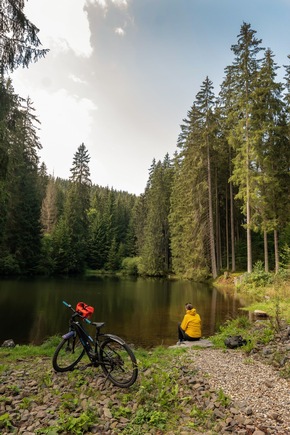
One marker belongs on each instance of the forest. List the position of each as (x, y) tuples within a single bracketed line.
[(221, 203)]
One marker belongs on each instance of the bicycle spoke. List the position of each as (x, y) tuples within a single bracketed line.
[(68, 353), (118, 363)]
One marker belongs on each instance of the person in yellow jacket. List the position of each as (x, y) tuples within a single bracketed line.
[(190, 327)]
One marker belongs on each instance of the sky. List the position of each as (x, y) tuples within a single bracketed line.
[(121, 75)]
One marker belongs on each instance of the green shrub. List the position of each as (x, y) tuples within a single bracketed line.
[(258, 278), (76, 425), (130, 266), (9, 265), (285, 258), (5, 421)]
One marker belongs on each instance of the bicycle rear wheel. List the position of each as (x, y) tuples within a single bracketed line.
[(67, 354), (118, 362)]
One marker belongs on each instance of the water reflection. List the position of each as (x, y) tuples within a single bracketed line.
[(142, 311)]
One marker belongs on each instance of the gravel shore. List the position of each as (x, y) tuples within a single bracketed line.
[(252, 384), (238, 393)]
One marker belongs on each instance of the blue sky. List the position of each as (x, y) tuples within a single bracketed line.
[(122, 74)]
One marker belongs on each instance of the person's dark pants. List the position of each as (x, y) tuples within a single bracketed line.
[(183, 336)]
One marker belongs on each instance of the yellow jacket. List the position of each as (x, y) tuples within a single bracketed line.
[(191, 323)]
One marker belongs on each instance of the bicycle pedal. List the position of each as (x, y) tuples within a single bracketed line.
[(93, 364)]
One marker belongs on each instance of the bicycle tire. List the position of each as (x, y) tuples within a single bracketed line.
[(67, 356), (118, 362)]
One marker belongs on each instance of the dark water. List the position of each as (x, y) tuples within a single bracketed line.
[(144, 312)]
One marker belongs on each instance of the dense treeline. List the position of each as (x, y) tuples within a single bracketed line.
[(222, 201), (225, 198)]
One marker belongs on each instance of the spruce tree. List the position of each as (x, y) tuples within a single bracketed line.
[(72, 230), (193, 217), (243, 73), (189, 206), (19, 43), (155, 252), (205, 101), (100, 228), (49, 212), (21, 239), (225, 101), (270, 136), (139, 213)]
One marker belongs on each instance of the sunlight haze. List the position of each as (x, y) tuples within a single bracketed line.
[(122, 74)]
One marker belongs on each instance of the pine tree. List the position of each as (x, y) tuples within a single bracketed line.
[(98, 246), (19, 43), (139, 213), (49, 212), (225, 101), (188, 214), (155, 252), (192, 218), (8, 106), (243, 74), (205, 101), (72, 230), (270, 135), (21, 239)]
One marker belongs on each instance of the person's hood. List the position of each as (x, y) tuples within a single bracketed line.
[(192, 312)]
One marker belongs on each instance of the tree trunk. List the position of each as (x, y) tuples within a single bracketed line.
[(232, 223), (276, 247), (266, 257), (211, 224), (218, 227), (249, 239), (227, 230)]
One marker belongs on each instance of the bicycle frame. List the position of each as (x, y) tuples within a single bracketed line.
[(90, 345)]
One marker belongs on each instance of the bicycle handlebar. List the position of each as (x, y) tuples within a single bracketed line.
[(69, 306)]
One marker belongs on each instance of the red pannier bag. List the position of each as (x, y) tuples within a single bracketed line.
[(84, 309)]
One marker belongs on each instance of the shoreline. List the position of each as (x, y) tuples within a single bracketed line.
[(221, 391)]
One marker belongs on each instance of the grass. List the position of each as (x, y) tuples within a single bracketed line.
[(156, 402), (267, 292), (239, 326), (30, 351)]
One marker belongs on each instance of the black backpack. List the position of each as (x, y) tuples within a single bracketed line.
[(235, 341)]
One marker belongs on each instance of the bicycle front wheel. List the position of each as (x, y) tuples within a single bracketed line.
[(67, 354), (118, 362)]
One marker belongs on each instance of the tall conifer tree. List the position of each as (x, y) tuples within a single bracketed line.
[(243, 74), (270, 135), (155, 253), (72, 230), (192, 217), (19, 43)]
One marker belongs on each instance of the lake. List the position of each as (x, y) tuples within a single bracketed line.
[(144, 312)]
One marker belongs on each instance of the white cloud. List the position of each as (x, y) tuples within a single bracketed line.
[(76, 79), (120, 31), (105, 3), (120, 2), (72, 121), (63, 24)]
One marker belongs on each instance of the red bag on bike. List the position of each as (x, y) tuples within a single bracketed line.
[(84, 309)]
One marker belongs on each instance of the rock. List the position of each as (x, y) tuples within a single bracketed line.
[(8, 343), (107, 413), (198, 343), (261, 314)]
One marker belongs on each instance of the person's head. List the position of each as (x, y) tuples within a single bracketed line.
[(188, 306)]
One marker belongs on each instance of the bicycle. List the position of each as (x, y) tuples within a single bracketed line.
[(108, 351)]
